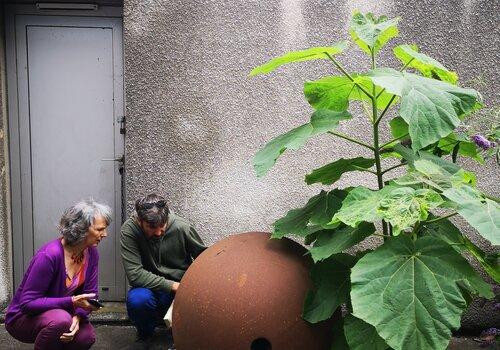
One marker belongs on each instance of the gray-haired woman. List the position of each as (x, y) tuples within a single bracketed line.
[(50, 307)]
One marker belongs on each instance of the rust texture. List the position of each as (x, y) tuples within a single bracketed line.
[(243, 288)]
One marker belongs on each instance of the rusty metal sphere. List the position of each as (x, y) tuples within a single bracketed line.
[(246, 292)]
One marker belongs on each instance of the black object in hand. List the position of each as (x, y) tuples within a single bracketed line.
[(95, 302)]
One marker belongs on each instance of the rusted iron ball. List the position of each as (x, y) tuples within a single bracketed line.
[(246, 292)]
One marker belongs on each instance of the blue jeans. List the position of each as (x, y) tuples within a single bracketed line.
[(145, 308)]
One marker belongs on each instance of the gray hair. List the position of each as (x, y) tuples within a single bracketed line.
[(77, 219)]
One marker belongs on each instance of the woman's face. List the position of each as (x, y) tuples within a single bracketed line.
[(96, 232)]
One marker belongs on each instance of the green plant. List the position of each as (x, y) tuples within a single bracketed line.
[(410, 292)]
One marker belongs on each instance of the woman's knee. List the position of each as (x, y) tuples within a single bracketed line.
[(141, 299), (58, 319), (84, 338)]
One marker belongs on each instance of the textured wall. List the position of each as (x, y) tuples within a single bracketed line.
[(194, 119), (5, 246)]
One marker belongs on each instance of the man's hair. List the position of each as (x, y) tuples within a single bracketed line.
[(152, 209)]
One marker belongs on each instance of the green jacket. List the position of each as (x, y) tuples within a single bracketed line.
[(156, 264)]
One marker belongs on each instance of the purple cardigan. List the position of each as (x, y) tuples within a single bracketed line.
[(44, 283)]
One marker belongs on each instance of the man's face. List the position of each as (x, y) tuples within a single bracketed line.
[(153, 232)]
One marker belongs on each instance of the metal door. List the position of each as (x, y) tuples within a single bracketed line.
[(68, 74)]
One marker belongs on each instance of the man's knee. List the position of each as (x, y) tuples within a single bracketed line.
[(141, 299)]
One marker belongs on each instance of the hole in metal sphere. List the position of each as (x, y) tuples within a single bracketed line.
[(261, 344)]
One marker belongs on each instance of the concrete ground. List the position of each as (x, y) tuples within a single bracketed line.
[(114, 332), (115, 337), (121, 337)]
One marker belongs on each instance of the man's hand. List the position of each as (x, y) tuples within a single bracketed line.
[(175, 286), (81, 301), (75, 326)]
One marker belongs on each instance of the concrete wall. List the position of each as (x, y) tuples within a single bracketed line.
[(5, 236), (195, 120)]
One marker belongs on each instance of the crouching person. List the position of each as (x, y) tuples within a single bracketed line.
[(157, 247), (50, 307)]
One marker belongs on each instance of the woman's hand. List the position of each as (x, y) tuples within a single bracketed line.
[(75, 326), (81, 301)]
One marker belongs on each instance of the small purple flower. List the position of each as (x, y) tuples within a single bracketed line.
[(490, 331), (487, 337), (497, 306), (482, 141)]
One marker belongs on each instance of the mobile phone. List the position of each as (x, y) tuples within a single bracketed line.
[(95, 302)]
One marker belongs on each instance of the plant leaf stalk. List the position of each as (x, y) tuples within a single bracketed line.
[(393, 140), (342, 136), (393, 167), (441, 218), (348, 75)]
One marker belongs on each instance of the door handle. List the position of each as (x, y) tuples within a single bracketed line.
[(120, 159)]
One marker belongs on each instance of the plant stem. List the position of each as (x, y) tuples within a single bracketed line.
[(376, 148), (364, 169), (406, 65), (381, 235), (393, 167), (496, 199), (348, 75), (393, 140), (441, 218), (385, 110), (351, 139), (415, 230)]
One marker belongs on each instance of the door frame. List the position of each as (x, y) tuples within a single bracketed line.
[(21, 215)]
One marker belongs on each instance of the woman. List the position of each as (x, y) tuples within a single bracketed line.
[(50, 307)]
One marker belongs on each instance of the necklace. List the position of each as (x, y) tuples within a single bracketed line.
[(77, 259)]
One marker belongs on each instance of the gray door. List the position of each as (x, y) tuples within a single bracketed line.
[(69, 103)]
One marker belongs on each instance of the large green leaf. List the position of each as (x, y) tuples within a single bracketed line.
[(399, 128), (480, 212), (339, 342), (371, 33), (329, 242), (361, 204), (331, 287), (409, 291), (448, 232), (314, 53), (330, 173), (312, 217), (428, 66), (321, 122), (439, 175), (432, 108), (404, 206), (432, 170), (335, 92), (361, 335)]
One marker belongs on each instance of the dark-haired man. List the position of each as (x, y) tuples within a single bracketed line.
[(157, 247)]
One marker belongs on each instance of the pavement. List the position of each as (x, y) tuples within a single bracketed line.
[(114, 331), (109, 337), (122, 337)]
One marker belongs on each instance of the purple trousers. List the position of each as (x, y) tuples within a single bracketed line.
[(45, 329)]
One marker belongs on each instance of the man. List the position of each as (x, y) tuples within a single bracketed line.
[(157, 247)]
